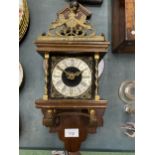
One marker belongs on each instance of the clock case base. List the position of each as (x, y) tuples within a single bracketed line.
[(84, 115)]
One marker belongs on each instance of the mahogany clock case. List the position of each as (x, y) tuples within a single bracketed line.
[(117, 69)]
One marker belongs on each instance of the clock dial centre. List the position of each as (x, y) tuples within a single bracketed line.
[(71, 76)]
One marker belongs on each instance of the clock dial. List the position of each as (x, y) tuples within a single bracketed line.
[(71, 77)]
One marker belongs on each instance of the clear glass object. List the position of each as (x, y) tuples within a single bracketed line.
[(127, 92)]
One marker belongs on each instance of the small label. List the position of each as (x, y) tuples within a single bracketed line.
[(55, 152), (71, 132)]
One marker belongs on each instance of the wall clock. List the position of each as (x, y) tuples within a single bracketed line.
[(72, 50), (123, 26)]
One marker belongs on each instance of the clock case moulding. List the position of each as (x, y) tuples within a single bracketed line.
[(72, 35)]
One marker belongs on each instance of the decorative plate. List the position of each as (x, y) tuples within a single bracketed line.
[(23, 18), (20, 74), (101, 67), (127, 92)]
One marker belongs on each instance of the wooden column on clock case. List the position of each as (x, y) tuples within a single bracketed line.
[(97, 57), (46, 66), (92, 112)]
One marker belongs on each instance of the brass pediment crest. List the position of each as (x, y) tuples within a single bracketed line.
[(71, 24)]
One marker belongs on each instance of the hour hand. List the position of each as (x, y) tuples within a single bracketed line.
[(60, 68), (80, 72), (69, 75)]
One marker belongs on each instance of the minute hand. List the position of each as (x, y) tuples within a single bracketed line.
[(67, 73), (80, 72)]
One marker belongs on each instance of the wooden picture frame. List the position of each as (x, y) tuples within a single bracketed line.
[(123, 26)]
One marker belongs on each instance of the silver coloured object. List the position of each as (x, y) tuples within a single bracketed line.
[(127, 92), (129, 108), (127, 95), (129, 129)]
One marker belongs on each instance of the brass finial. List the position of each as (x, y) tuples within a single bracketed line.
[(74, 5)]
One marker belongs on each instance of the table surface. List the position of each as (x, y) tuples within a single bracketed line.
[(118, 67), (47, 152)]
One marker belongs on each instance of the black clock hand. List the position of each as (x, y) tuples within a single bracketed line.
[(70, 75), (67, 73), (60, 68), (80, 72)]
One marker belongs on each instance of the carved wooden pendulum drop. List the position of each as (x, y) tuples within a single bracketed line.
[(71, 104)]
